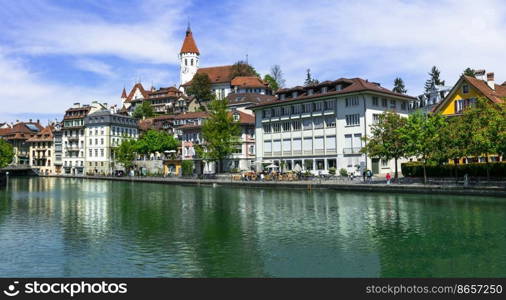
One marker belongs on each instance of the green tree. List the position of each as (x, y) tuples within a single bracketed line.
[(469, 72), (434, 78), (200, 88), (273, 85), (156, 141), (6, 153), (399, 86), (422, 134), (309, 78), (220, 134), (484, 121), (386, 140), (145, 110), (125, 153), (242, 68)]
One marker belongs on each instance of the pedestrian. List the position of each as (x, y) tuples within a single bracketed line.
[(369, 176), (388, 178), (364, 174)]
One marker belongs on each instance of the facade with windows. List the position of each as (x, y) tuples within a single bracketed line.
[(104, 131), (323, 126), (42, 151)]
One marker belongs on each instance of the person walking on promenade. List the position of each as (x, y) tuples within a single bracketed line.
[(369, 176), (388, 178)]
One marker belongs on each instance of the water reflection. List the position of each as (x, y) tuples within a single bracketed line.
[(74, 227)]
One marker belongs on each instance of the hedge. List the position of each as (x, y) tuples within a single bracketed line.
[(415, 169), (187, 166)]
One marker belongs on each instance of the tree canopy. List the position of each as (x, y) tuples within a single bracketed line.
[(469, 72), (200, 87), (434, 78), (220, 134), (273, 85), (125, 153), (399, 86), (145, 110), (309, 78), (278, 76), (6, 153), (386, 140), (242, 68)]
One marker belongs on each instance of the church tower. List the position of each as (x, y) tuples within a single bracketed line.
[(188, 58)]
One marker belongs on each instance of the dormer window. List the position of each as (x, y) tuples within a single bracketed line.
[(465, 88), (281, 96), (294, 94), (310, 92), (324, 90), (339, 87)]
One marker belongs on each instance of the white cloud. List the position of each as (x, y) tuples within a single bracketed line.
[(94, 66)]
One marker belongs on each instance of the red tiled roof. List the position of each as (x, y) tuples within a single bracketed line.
[(46, 135), (221, 74), (189, 45), (495, 95), (20, 131), (352, 85), (248, 81), (5, 131), (244, 118), (139, 86)]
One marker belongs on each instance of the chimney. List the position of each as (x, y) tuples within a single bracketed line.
[(490, 80), (30, 121), (76, 105), (38, 121)]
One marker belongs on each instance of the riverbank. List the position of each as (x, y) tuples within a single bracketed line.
[(493, 191)]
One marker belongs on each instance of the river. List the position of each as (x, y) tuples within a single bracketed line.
[(64, 227)]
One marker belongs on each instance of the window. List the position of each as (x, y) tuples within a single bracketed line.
[(276, 127), (286, 126), (185, 62), (101, 141), (267, 146), (306, 108), (96, 152), (317, 106), (297, 144), (287, 145), (296, 109), (191, 62), (236, 117), (91, 153), (307, 124), (351, 101), (307, 145), (276, 146), (465, 88), (403, 105), (296, 125), (375, 101), (285, 110), (320, 164), (330, 143), (375, 118), (384, 102), (318, 123), (329, 105), (267, 128), (353, 120), (330, 122), (393, 103), (277, 111), (102, 152), (251, 149), (384, 163), (318, 143)]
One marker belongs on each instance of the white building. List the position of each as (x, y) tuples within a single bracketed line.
[(73, 137), (321, 126), (105, 130)]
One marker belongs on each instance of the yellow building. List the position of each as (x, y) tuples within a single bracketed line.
[(467, 90), (465, 93)]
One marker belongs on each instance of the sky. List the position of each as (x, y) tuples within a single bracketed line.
[(54, 53)]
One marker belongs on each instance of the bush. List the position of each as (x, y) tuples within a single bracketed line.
[(187, 166), (332, 171), (343, 172), (415, 169), (234, 170)]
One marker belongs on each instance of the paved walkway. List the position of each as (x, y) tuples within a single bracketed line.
[(357, 185)]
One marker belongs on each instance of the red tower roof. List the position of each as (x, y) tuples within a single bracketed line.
[(189, 45)]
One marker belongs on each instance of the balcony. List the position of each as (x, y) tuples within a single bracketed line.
[(355, 150), (73, 138), (72, 148)]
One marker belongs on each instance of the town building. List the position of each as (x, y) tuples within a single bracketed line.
[(323, 126), (105, 130), (244, 155), (165, 100), (428, 100), (58, 148), (74, 138), (41, 151), (17, 135)]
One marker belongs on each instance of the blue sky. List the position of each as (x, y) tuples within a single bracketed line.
[(54, 53)]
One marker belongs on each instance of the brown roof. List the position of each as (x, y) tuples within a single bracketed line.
[(45, 135), (191, 115), (352, 85), (244, 118), (495, 95), (132, 92), (189, 126), (221, 74), (248, 81), (5, 131), (123, 94), (189, 45), (20, 131), (242, 98)]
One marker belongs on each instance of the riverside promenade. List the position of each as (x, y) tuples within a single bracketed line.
[(341, 185)]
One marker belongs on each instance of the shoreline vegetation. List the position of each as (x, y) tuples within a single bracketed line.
[(498, 190)]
